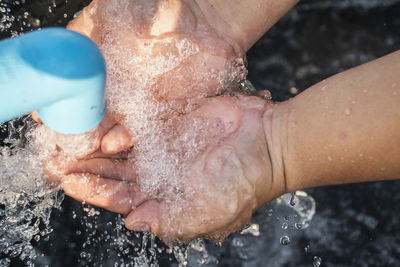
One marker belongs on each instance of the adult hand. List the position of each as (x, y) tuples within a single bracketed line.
[(221, 188), (221, 170)]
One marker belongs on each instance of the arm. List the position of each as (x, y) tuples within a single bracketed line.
[(244, 21), (344, 129)]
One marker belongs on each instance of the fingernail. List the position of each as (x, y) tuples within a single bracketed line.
[(140, 227)]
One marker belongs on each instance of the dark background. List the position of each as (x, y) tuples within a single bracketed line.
[(355, 225)]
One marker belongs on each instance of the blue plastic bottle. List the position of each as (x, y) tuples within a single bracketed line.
[(59, 73)]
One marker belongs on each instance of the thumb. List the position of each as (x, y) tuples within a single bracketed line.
[(116, 140), (145, 218)]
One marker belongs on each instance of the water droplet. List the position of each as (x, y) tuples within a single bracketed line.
[(293, 199), (285, 240), (294, 90), (270, 212), (265, 94), (299, 225), (317, 261), (285, 226), (365, 91), (329, 158), (347, 111), (307, 248), (238, 242)]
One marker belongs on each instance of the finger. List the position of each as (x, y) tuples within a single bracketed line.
[(105, 125), (100, 154), (35, 116), (121, 170), (145, 218), (116, 196), (116, 140)]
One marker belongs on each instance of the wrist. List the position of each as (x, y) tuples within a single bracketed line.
[(275, 123), (222, 20), (243, 22)]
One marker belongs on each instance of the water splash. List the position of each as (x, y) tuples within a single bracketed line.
[(121, 241), (26, 200), (317, 261)]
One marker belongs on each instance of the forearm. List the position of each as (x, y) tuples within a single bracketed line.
[(244, 21), (344, 129)]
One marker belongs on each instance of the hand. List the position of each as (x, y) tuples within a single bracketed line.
[(201, 166), (223, 185)]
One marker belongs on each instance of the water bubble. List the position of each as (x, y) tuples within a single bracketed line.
[(317, 261), (285, 240)]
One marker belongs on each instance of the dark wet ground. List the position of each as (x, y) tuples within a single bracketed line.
[(355, 225)]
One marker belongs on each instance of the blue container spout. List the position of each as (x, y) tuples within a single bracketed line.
[(59, 73)]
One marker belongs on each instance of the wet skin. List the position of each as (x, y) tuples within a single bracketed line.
[(344, 129), (232, 176)]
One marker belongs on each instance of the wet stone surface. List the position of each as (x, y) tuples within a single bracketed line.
[(354, 225)]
